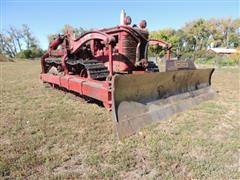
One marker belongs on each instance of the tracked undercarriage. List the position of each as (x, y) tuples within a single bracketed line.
[(111, 65)]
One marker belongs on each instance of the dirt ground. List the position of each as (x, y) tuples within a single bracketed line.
[(5, 59), (45, 133)]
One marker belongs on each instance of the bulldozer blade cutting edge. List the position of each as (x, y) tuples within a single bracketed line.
[(141, 99)]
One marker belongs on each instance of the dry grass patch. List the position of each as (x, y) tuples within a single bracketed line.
[(46, 133)]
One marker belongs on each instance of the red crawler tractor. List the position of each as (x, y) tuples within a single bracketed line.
[(111, 65)]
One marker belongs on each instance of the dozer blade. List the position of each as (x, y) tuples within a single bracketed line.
[(140, 99)]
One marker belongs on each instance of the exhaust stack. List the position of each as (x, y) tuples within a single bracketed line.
[(122, 16)]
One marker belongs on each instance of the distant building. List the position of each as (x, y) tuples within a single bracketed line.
[(222, 51)]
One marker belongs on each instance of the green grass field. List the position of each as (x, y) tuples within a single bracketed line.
[(45, 133)]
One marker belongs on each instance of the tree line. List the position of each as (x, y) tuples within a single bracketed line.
[(77, 32), (189, 42), (195, 37), (20, 43)]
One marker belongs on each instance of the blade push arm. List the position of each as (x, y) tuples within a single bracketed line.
[(160, 43)]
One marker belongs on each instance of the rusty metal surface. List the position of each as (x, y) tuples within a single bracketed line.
[(142, 99), (172, 65)]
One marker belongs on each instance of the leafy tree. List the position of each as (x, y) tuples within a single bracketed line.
[(77, 32), (29, 39), (7, 45), (192, 40), (19, 42), (168, 35)]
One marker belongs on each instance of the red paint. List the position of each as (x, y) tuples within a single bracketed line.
[(121, 49), (99, 90)]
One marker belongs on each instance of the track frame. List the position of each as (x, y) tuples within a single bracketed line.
[(99, 90)]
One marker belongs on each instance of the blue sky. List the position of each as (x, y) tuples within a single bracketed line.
[(49, 16)]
